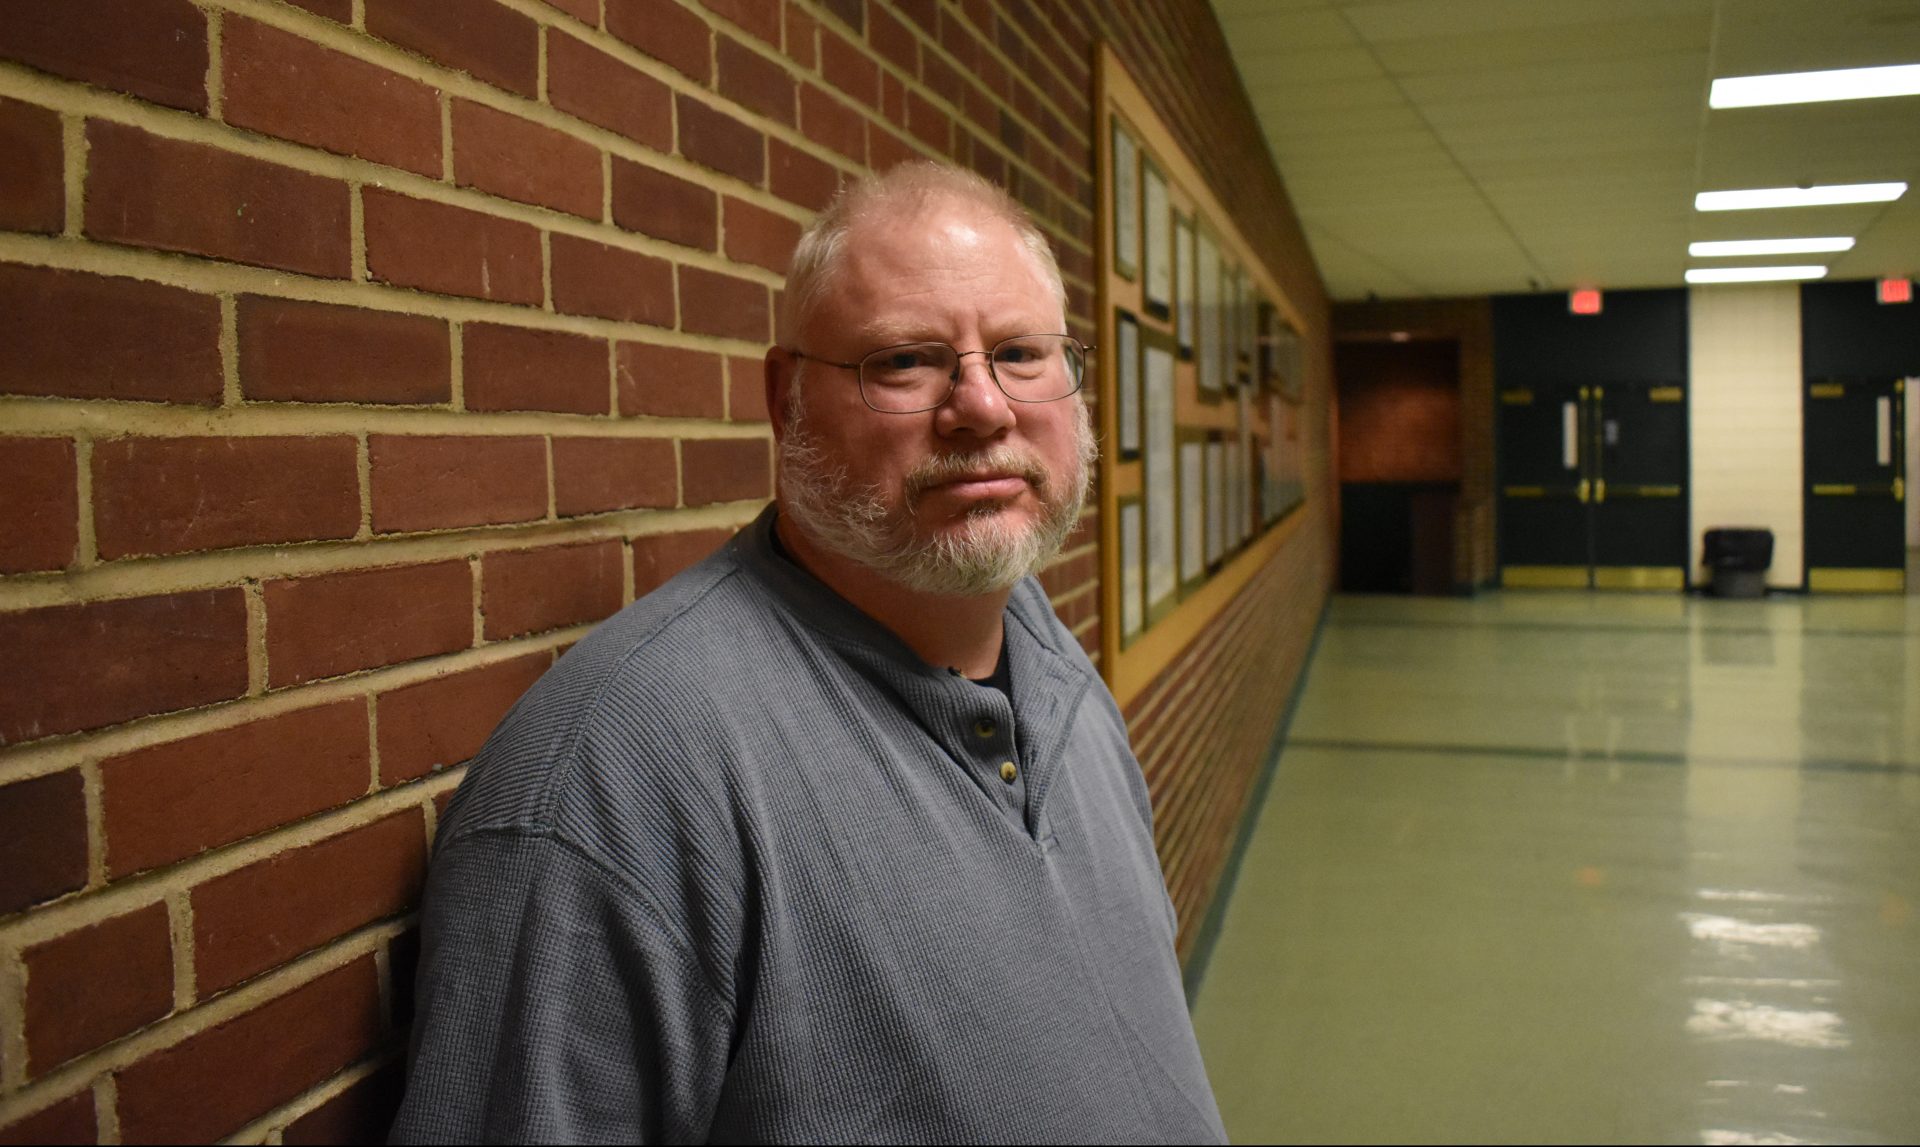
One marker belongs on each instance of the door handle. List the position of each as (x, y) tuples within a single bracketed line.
[(1586, 489)]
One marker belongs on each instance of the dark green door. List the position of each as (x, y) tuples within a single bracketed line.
[(1856, 485), (1593, 486), (1639, 485), (1545, 531)]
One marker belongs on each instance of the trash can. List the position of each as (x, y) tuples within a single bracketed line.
[(1739, 557)]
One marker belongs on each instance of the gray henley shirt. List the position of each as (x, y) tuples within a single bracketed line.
[(742, 867)]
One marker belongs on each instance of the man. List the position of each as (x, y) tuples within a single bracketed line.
[(837, 836)]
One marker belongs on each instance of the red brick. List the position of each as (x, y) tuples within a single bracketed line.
[(423, 482), (524, 161), (426, 727), (886, 150), (715, 304), (929, 124), (362, 1113), (712, 138), (852, 13), (110, 661), (753, 81), (669, 382), (43, 839), (587, 10), (724, 470), (283, 85), (657, 557), (171, 495), (294, 351), (758, 17), (481, 37), (90, 336), (68, 1121), (667, 32), (893, 40), (827, 121), (664, 206), (799, 178), (593, 475), (514, 368), (848, 68), (800, 36), (32, 186), (263, 915), (921, 12), (153, 49), (746, 389), (172, 801), (216, 1081), (893, 99), (338, 623), (594, 279), (450, 250), (587, 82), (531, 591), (40, 516), (149, 191), (758, 236), (97, 984)]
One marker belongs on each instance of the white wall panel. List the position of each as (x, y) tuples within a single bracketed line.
[(1745, 416)]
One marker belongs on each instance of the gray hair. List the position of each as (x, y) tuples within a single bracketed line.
[(906, 189)]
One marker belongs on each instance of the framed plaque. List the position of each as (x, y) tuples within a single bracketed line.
[(1209, 347), (1193, 509), (1126, 202), (1163, 572), (1133, 570), (1156, 261), (1183, 285), (1216, 508), (1126, 375)]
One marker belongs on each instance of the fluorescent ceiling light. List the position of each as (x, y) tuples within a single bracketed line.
[(1768, 247), (1753, 274), (1798, 196), (1815, 87)]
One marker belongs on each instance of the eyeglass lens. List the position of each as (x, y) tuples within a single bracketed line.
[(919, 376)]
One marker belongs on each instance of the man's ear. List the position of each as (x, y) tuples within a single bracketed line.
[(777, 370)]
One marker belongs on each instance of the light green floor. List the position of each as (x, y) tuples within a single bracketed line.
[(1583, 867)]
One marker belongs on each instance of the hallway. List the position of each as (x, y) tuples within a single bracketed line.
[(1580, 867)]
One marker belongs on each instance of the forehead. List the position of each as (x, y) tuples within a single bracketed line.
[(906, 264)]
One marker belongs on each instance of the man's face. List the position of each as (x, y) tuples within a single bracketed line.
[(967, 497)]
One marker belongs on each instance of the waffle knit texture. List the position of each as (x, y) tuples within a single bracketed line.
[(743, 868)]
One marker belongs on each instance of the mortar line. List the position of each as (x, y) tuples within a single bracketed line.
[(73, 140)]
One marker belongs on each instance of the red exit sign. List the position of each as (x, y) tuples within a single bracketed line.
[(1896, 290), (1585, 301)]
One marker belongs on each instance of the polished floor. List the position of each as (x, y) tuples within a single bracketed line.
[(1541, 867)]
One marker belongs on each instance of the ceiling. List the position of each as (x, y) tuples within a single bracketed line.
[(1465, 147)]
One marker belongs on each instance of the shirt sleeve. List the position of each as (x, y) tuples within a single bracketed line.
[(554, 1006)]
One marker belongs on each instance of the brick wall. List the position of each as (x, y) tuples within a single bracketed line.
[(1399, 411), (356, 356), (1469, 324)]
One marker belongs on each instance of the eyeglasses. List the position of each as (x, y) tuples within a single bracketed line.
[(912, 377)]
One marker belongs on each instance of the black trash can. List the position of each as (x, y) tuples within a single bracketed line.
[(1739, 557)]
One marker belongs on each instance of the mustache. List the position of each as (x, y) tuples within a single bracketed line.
[(1008, 460)]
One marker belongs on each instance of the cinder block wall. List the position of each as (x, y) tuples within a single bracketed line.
[(356, 356)]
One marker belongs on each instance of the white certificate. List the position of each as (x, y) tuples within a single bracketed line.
[(1156, 262), (1243, 474), (1184, 280), (1193, 510), (1126, 202), (1209, 345), (1126, 374), (1162, 573), (1133, 603), (1216, 500)]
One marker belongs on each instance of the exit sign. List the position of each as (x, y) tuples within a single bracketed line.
[(1585, 301), (1896, 290)]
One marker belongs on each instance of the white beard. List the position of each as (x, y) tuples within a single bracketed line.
[(988, 553)]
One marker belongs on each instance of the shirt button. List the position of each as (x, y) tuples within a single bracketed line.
[(984, 728), (1008, 772)]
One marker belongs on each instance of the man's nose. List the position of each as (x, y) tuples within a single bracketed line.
[(977, 404)]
